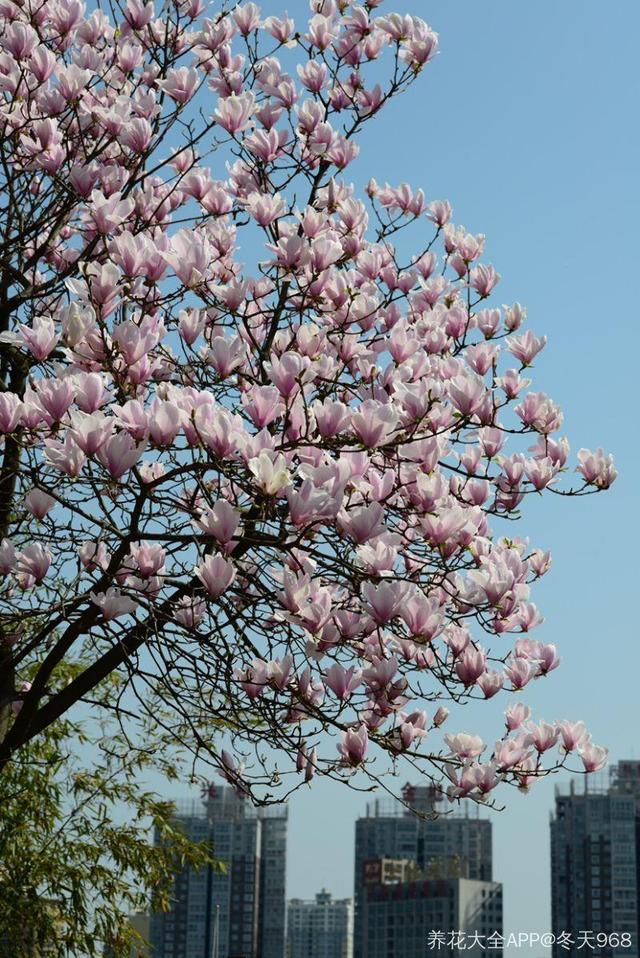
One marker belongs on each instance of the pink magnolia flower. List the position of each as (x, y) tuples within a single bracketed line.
[(526, 347), (573, 734), (308, 504), (331, 417), (139, 13), (165, 422), (41, 337), (543, 735), (34, 561), (411, 727), (421, 45), (363, 523), (490, 682), (313, 75), (133, 418), (597, 469), (263, 404), (135, 340), (374, 422), (119, 454), (512, 383), (539, 412), (216, 575), (232, 771), (66, 457), (354, 745), (221, 522), (93, 555), (519, 671), (302, 758), (478, 778), (441, 716), (90, 430), (464, 745), (191, 324), (439, 212), (138, 134), (255, 679), (190, 612), (53, 397), (423, 616), (247, 18), (148, 558), (7, 557), (467, 393), (20, 39), (594, 757), (288, 372), (484, 279), (509, 752), (279, 672), (312, 765), (383, 601), (470, 665), (39, 503), (190, 257), (342, 682), (234, 112), (270, 471), (10, 412), (381, 674), (16, 705), (130, 251), (113, 604), (321, 31), (108, 212), (449, 523), (180, 84), (90, 392), (265, 208)]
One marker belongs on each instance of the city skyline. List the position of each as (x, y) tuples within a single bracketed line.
[(420, 877), (595, 864), (389, 830), (321, 928), (240, 910)]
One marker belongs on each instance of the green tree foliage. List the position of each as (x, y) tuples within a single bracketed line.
[(76, 856)]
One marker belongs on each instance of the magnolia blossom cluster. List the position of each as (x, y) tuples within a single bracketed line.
[(275, 485)]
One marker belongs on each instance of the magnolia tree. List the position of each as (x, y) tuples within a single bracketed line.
[(256, 454)]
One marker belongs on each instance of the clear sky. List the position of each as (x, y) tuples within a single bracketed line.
[(527, 122)]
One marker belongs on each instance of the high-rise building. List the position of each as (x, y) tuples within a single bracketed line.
[(436, 843), (320, 929), (273, 884), (595, 867), (237, 911), (140, 949), (407, 914)]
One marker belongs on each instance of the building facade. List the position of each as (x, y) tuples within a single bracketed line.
[(238, 912), (412, 916), (595, 866), (141, 949), (320, 929), (444, 846)]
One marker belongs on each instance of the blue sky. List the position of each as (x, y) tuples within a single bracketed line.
[(527, 122)]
